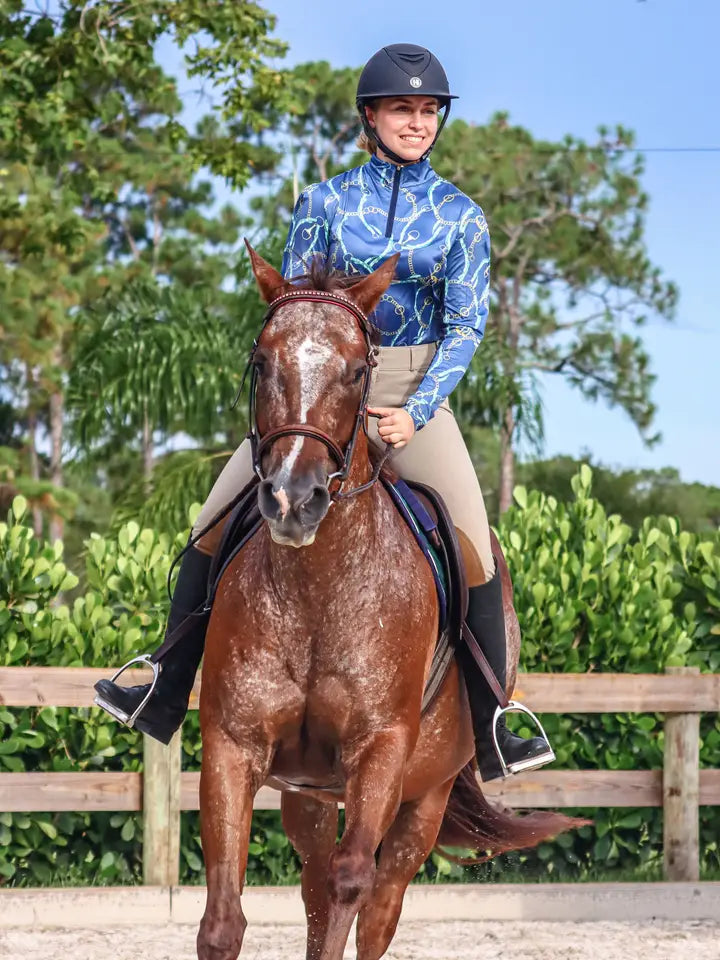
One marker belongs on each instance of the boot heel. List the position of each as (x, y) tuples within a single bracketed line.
[(117, 712)]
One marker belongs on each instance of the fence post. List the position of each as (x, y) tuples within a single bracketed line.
[(681, 792), (161, 811)]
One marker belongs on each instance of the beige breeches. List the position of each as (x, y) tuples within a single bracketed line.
[(436, 455)]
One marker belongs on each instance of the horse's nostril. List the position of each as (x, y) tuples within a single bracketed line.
[(316, 504), (267, 501)]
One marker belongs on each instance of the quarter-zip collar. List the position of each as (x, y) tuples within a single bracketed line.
[(391, 175), (383, 172)]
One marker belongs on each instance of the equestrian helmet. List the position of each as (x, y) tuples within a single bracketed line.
[(402, 70)]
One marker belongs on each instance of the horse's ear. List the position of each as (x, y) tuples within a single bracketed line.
[(270, 283), (368, 291)]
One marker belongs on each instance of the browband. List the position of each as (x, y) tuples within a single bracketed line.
[(319, 296)]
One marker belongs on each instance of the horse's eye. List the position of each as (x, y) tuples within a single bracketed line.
[(354, 374)]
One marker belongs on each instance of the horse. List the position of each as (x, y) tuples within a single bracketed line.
[(318, 648)]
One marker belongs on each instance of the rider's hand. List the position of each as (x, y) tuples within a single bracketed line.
[(395, 425)]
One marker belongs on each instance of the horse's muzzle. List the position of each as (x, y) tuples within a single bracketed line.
[(293, 509)]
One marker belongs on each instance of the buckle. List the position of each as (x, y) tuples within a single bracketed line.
[(532, 762), (117, 712)]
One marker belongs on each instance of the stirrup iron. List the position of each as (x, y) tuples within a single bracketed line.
[(513, 706), (117, 712)]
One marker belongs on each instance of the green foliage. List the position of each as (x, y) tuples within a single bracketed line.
[(98, 188), (634, 494), (121, 613), (591, 596), (72, 79), (316, 134), (156, 357), (594, 597)]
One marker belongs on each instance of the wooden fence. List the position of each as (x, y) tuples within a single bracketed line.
[(162, 791)]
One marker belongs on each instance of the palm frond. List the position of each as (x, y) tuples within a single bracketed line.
[(179, 480)]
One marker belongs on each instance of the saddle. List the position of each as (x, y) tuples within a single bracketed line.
[(425, 513)]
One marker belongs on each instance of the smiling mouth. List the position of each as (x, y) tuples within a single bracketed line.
[(412, 140)]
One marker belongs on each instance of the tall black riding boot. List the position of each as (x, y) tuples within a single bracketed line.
[(166, 708), (487, 623)]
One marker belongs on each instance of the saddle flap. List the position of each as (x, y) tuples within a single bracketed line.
[(429, 514)]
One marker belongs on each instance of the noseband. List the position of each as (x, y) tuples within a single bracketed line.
[(259, 445)]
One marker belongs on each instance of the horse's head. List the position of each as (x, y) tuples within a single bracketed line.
[(312, 372)]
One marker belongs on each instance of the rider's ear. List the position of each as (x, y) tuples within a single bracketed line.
[(368, 291), (270, 283)]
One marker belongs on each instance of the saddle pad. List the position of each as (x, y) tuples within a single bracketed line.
[(425, 531)]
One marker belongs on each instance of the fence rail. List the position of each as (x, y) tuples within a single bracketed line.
[(162, 791)]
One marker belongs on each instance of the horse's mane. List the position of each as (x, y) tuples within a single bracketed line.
[(321, 275)]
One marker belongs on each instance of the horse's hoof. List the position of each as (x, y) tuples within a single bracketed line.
[(220, 941)]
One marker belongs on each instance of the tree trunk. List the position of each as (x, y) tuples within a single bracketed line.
[(147, 452), (507, 462), (32, 443), (34, 469), (509, 317), (295, 174), (56, 471)]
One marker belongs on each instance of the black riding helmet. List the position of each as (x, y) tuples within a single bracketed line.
[(402, 70)]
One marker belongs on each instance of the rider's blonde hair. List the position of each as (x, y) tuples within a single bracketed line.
[(364, 142)]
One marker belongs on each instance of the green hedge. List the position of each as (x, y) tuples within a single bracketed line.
[(591, 595)]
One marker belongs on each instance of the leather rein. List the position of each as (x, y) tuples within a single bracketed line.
[(343, 458)]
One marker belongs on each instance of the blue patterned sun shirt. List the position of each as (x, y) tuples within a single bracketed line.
[(360, 218)]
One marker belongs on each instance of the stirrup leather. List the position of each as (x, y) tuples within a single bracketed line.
[(117, 712), (513, 706)]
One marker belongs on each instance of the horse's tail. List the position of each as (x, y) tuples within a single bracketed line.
[(472, 822)]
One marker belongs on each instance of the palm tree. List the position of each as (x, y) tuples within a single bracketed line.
[(160, 364)]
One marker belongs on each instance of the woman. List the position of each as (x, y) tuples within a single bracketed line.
[(432, 318)]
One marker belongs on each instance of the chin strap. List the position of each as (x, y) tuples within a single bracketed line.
[(371, 133)]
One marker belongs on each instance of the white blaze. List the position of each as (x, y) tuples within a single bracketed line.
[(311, 358)]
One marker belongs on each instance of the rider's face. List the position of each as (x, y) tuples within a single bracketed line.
[(407, 125)]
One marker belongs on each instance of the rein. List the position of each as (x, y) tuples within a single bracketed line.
[(343, 458)]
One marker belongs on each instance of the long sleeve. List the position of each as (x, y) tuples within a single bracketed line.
[(467, 294), (308, 234)]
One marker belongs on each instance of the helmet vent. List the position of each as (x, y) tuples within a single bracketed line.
[(410, 61)]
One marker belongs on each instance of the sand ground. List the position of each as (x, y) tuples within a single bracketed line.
[(699, 940)]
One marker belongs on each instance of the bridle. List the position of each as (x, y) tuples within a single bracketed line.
[(343, 459)]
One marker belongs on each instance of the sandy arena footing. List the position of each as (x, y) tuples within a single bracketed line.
[(455, 940)]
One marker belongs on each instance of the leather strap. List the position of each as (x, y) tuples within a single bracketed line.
[(302, 430), (482, 661), (176, 635)]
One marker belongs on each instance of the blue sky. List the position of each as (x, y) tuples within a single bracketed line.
[(567, 66)]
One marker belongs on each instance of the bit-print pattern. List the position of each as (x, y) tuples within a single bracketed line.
[(441, 290)]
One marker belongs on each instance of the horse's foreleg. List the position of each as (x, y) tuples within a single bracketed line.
[(230, 778), (405, 848), (374, 773), (311, 826)]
